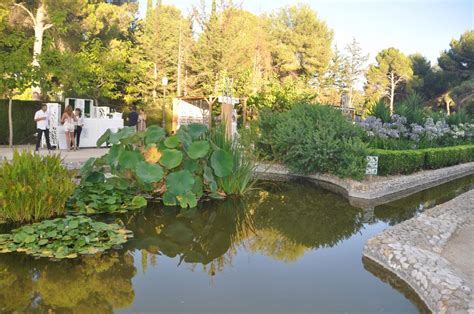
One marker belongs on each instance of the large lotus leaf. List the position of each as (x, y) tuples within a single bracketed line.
[(196, 130), (149, 173), (187, 200), (87, 166), (169, 199), (154, 134), (191, 165), (95, 177), (126, 132), (172, 142), (184, 136), (129, 159), (198, 149), (113, 155), (179, 182), (198, 187), (104, 138), (171, 158), (222, 163), (139, 201), (152, 155), (209, 179)]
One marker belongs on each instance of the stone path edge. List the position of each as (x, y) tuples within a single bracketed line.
[(412, 250), (372, 193)]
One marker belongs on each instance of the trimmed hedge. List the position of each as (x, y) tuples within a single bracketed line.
[(409, 161), (24, 126)]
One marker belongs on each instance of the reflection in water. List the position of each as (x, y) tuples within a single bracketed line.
[(284, 221), (91, 285), (403, 209), (388, 277)]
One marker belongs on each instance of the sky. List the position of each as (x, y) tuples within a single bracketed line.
[(424, 26)]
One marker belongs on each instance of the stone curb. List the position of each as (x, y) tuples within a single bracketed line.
[(412, 251), (370, 193)]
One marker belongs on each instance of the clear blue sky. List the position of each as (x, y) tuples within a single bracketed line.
[(425, 26)]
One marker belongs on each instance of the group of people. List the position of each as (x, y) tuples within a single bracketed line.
[(72, 121), (137, 120)]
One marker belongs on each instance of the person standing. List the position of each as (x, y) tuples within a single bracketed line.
[(79, 125), (133, 117), (141, 121), (42, 126), (68, 122)]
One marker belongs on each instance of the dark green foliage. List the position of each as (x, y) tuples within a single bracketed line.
[(412, 108), (315, 139), (458, 117), (64, 237), (398, 161), (448, 156), (24, 127), (380, 110), (33, 187), (408, 161)]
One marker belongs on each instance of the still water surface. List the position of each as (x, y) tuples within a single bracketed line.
[(289, 247)]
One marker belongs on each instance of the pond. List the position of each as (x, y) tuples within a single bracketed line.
[(289, 247)]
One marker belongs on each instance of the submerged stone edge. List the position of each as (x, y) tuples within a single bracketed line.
[(412, 250)]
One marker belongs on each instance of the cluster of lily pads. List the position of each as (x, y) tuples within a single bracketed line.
[(180, 169), (64, 237)]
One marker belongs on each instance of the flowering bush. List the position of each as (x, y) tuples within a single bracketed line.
[(398, 134)]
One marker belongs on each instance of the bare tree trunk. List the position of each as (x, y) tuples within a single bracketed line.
[(10, 121), (40, 27), (392, 91)]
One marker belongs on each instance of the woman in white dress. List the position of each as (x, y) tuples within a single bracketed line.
[(68, 122)]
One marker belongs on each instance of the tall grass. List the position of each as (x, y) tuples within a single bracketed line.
[(242, 179), (33, 187)]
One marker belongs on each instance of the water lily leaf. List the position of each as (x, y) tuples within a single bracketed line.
[(20, 237), (171, 158), (73, 224), (103, 138), (95, 177), (128, 159), (198, 187), (198, 149), (43, 242), (154, 134), (180, 182), (87, 166), (209, 179), (148, 173), (191, 165), (152, 155), (172, 142), (196, 130), (114, 154), (222, 163), (187, 200), (126, 132), (139, 201), (169, 199), (184, 136)]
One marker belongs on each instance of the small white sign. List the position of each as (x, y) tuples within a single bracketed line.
[(228, 100), (372, 165)]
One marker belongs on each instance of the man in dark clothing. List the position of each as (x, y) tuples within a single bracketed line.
[(133, 118)]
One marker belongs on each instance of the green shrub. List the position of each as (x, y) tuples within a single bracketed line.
[(448, 156), (33, 187), (412, 108), (458, 117), (398, 161), (381, 111), (315, 139), (409, 161)]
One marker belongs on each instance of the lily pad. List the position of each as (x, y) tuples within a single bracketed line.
[(171, 158), (172, 142), (128, 159), (154, 134), (222, 163), (180, 182), (148, 173), (187, 200), (196, 130), (198, 149)]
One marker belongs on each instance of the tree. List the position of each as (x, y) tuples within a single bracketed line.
[(385, 78), (301, 42), (355, 67), (15, 66), (459, 59)]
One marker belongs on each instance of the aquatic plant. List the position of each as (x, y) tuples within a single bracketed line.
[(180, 169), (64, 237), (33, 187)]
